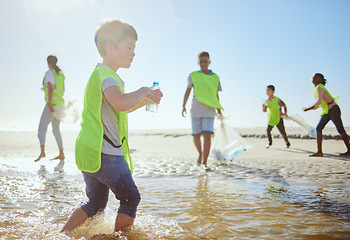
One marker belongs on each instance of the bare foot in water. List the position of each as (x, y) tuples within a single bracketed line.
[(206, 168), (199, 161), (60, 157), (316, 155), (42, 155), (346, 154)]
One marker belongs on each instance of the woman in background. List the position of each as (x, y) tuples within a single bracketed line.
[(330, 111), (53, 86)]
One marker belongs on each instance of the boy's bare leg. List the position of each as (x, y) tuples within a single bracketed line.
[(319, 152), (123, 221), (42, 153), (197, 142), (60, 156), (206, 146), (77, 218)]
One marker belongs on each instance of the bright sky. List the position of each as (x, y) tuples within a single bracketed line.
[(252, 44)]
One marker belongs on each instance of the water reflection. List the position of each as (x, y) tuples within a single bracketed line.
[(238, 171), (316, 200), (230, 202), (59, 167)]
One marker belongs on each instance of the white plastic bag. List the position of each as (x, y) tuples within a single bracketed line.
[(227, 144), (68, 112), (301, 122)]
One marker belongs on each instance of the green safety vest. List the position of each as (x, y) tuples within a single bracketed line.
[(323, 104), (273, 112), (206, 88), (58, 90), (88, 145)]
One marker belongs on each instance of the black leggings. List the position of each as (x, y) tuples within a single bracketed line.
[(334, 115), (282, 130)]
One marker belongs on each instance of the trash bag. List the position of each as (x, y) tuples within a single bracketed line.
[(68, 112), (301, 122), (227, 144)]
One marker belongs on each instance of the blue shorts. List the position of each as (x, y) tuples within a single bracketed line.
[(114, 174), (202, 125)]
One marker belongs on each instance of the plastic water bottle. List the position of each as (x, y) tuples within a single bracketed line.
[(152, 106), (237, 152)]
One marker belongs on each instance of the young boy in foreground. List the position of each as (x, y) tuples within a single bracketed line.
[(273, 106), (101, 150)]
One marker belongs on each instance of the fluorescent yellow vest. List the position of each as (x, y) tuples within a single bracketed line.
[(206, 88), (58, 90), (88, 145), (273, 112), (324, 105)]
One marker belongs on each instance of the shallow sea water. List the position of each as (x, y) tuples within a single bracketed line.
[(179, 201)]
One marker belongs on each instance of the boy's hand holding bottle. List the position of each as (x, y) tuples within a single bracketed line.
[(154, 97)]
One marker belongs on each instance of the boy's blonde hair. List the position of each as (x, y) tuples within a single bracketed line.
[(112, 31)]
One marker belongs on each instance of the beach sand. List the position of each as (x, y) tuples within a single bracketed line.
[(293, 163), (274, 193), (177, 143)]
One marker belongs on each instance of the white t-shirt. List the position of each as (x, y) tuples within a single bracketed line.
[(49, 77), (109, 119)]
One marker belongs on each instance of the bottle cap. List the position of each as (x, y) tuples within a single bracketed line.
[(156, 83)]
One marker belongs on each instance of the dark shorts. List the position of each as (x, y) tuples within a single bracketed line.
[(334, 114), (114, 174)]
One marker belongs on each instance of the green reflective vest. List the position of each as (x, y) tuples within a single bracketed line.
[(273, 111), (206, 88), (58, 90), (88, 145), (324, 105)]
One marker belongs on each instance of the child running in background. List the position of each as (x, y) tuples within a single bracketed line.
[(101, 149), (330, 111), (206, 85), (273, 106)]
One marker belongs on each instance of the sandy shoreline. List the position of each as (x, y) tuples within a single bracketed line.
[(292, 163), (258, 132), (280, 193)]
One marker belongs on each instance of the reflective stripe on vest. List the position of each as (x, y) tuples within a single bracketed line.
[(88, 145), (58, 90), (54, 98), (323, 104), (206, 88), (273, 112)]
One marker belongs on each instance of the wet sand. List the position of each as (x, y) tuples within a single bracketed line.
[(290, 163), (274, 193)]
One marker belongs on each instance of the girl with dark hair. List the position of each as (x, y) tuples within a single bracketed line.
[(330, 111), (53, 86), (52, 60)]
